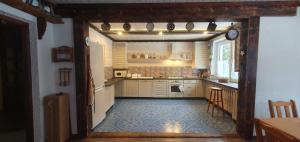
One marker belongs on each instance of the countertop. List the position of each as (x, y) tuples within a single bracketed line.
[(113, 81), (229, 84)]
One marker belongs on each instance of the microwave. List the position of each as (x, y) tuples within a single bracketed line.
[(120, 73)]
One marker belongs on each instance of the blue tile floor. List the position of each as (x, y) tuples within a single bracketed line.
[(164, 115)]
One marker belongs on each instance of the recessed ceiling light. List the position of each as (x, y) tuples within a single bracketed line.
[(160, 33), (205, 32)]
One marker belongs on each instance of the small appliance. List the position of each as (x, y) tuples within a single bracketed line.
[(120, 73)]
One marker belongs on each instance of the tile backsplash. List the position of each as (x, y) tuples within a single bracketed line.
[(158, 71), (108, 72)]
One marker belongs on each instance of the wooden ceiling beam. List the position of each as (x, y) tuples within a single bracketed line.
[(177, 12), (165, 32)]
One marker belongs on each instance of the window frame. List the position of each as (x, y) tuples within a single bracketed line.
[(215, 57)]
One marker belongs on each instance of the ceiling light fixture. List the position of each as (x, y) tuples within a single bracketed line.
[(160, 33), (105, 27), (212, 26), (205, 32), (126, 26), (189, 26), (150, 27), (170, 26)]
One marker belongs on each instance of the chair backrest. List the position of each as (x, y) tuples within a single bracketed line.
[(291, 105)]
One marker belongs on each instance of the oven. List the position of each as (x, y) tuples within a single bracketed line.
[(175, 88)]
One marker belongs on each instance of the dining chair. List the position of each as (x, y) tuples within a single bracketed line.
[(291, 105)]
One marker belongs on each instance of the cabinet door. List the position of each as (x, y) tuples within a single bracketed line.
[(145, 88), (132, 88), (119, 55), (201, 55), (119, 89), (189, 90), (160, 88), (200, 89)]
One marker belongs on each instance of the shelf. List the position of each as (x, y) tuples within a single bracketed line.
[(154, 60), (145, 60), (18, 4)]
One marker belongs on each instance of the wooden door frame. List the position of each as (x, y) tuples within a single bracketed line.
[(27, 84), (247, 79)]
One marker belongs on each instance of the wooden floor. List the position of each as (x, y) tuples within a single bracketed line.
[(162, 140)]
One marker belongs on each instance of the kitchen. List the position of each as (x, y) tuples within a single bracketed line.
[(157, 77)]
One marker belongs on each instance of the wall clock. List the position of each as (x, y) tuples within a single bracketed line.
[(232, 33), (87, 41)]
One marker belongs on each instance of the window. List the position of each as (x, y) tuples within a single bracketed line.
[(223, 60)]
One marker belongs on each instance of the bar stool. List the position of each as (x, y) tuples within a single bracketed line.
[(215, 99)]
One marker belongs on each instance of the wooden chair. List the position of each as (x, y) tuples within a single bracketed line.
[(286, 105)]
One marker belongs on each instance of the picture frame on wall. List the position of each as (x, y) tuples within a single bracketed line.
[(62, 54)]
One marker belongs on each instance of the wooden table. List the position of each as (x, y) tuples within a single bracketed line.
[(282, 129)]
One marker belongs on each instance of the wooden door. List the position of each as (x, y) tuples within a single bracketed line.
[(12, 79)]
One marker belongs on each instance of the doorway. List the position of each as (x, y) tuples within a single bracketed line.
[(16, 123), (245, 113)]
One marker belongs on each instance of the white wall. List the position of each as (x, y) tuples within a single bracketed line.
[(105, 42), (63, 36), (278, 71), (44, 71), (56, 35)]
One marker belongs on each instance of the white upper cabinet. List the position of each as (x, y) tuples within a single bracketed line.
[(201, 55), (119, 55)]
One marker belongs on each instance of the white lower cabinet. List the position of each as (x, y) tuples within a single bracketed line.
[(160, 88), (119, 89), (145, 88), (131, 88), (156, 88), (189, 90), (190, 87), (200, 89)]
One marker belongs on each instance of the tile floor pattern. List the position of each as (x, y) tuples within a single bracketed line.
[(164, 115)]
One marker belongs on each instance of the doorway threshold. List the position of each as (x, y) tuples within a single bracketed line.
[(158, 135)]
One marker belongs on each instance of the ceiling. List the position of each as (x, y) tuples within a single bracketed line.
[(139, 32), (149, 1)]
